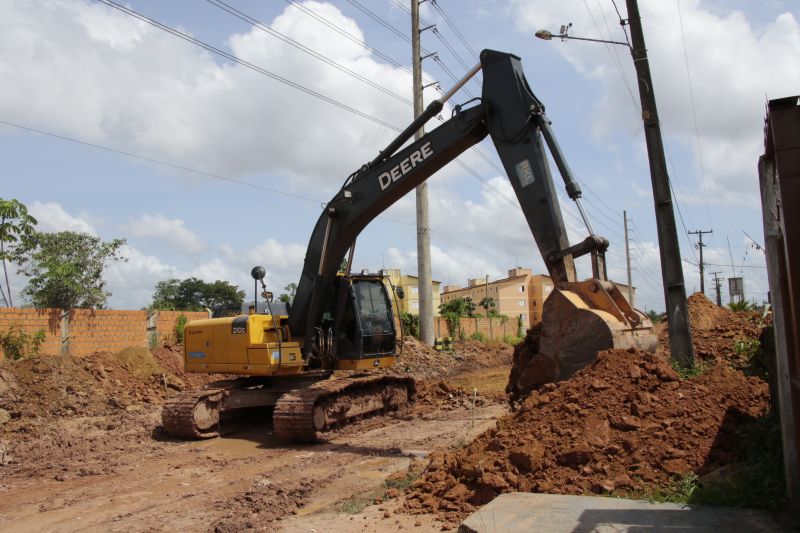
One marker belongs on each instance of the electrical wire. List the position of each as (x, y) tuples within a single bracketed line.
[(341, 31), (272, 75), (247, 64), (313, 53), (694, 114), (216, 176), (455, 29), (614, 59)]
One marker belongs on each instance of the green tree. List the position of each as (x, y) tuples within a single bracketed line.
[(461, 307), (65, 269), (288, 296), (453, 311), (16, 228), (489, 306), (193, 294), (656, 317)]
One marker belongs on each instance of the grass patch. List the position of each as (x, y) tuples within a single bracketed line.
[(679, 491), (757, 482), (700, 367), (399, 482)]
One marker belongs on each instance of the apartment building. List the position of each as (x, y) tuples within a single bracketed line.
[(520, 295), (410, 285)]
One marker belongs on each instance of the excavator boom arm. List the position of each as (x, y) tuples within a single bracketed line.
[(514, 118)]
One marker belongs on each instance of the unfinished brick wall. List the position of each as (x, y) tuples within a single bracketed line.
[(166, 320), (92, 330), (491, 328)]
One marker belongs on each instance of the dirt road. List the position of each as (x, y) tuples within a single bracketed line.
[(246, 480)]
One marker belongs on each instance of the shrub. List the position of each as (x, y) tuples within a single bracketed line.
[(478, 336), (410, 324), (180, 327), (16, 343), (512, 340)]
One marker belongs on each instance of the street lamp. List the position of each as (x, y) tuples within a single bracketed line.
[(547, 35), (680, 336)]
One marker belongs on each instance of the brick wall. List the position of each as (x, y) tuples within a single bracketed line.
[(491, 328), (166, 320), (95, 330)]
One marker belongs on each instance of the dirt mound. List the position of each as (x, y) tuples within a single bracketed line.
[(443, 396), (78, 416), (526, 374), (424, 362), (620, 424), (170, 358), (95, 385), (715, 330)]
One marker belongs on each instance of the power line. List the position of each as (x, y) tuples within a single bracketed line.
[(313, 53), (614, 59), (622, 22), (455, 29), (274, 76), (213, 175), (247, 64), (694, 114), (341, 31)]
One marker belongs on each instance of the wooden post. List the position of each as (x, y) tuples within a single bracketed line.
[(777, 275)]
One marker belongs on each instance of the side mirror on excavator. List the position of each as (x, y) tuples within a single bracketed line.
[(400, 292)]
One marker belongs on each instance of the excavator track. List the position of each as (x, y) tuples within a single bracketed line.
[(302, 415), (195, 414)]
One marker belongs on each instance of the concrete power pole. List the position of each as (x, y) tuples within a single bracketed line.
[(680, 336), (700, 245), (424, 283), (718, 287), (627, 257)]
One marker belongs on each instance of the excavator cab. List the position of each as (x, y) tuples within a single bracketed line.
[(366, 337)]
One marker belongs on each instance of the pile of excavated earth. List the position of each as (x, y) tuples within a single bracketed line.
[(77, 416), (66, 417), (625, 424)]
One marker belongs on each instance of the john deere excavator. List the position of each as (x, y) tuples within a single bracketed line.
[(345, 322)]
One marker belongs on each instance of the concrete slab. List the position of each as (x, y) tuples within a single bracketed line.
[(523, 512)]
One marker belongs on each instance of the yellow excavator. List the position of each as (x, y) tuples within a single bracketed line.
[(286, 355)]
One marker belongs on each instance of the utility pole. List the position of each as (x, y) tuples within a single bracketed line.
[(718, 287), (627, 257), (424, 283), (680, 336), (700, 245)]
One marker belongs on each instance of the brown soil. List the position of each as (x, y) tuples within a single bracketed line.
[(83, 448), (716, 329), (423, 362), (623, 423)]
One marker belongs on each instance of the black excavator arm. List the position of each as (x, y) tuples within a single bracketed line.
[(509, 112)]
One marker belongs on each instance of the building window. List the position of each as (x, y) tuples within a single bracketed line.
[(521, 303), (522, 288), (414, 290), (415, 306), (523, 317)]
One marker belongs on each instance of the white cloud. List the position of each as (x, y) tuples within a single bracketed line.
[(734, 66), (51, 217), (137, 88), (171, 231)]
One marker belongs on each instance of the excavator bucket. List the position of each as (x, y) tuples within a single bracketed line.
[(578, 321)]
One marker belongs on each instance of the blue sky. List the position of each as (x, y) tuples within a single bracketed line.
[(81, 70)]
